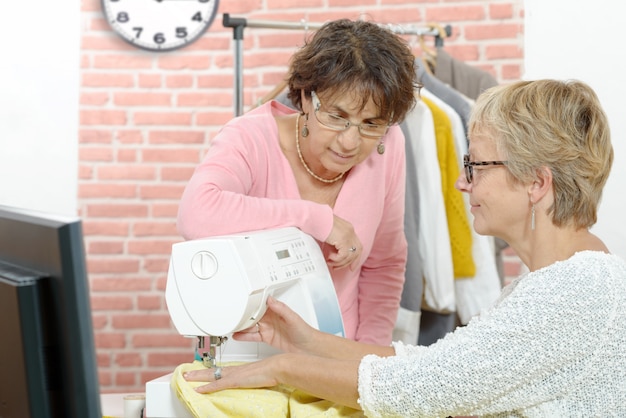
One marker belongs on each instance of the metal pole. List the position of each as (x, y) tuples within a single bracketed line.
[(238, 24)]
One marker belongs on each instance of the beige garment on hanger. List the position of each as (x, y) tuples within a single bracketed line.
[(272, 94)]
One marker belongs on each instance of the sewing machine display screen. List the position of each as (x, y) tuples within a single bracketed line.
[(282, 254)]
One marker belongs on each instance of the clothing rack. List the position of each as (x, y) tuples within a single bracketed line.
[(238, 24)]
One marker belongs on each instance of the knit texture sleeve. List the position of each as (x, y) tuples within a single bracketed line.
[(550, 347)]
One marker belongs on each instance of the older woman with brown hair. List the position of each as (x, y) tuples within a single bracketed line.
[(335, 168), (553, 344)]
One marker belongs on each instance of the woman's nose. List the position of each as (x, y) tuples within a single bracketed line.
[(462, 184), (351, 137)]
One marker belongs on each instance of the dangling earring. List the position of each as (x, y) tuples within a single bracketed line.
[(305, 129), (381, 148), (532, 218)]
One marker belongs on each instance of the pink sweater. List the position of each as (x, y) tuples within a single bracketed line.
[(245, 183)]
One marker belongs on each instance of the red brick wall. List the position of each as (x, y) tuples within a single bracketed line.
[(147, 118)]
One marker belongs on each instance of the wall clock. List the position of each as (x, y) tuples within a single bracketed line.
[(160, 25)]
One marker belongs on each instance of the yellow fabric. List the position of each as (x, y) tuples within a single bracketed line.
[(458, 223), (279, 401)]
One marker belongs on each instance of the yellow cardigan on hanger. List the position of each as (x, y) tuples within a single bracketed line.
[(458, 223)]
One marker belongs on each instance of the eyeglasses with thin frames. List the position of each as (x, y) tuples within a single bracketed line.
[(469, 166), (337, 123)]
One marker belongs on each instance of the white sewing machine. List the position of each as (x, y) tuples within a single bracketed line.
[(219, 285)]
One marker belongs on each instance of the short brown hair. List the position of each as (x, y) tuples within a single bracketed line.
[(344, 56)]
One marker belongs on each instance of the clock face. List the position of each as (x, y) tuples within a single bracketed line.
[(160, 25)]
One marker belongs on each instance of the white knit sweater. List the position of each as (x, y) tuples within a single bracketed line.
[(554, 345)]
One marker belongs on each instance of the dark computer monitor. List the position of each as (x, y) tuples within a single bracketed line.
[(47, 353)]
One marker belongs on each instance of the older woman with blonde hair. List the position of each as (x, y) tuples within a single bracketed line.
[(553, 343)]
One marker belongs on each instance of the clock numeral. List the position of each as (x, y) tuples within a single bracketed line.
[(158, 38), (181, 32), (138, 31), (122, 17), (197, 17)]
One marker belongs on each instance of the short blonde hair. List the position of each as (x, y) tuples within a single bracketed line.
[(554, 124)]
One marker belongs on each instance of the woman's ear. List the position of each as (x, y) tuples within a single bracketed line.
[(542, 184), (306, 102)]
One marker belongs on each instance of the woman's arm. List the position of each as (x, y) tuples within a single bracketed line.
[(244, 183), (284, 329), (320, 364)]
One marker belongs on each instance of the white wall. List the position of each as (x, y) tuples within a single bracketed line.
[(582, 40), (39, 81)]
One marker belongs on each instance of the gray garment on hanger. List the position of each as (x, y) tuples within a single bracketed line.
[(451, 97), (434, 326), (470, 81), (413, 283)]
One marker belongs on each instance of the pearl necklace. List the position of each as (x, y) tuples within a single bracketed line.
[(306, 167)]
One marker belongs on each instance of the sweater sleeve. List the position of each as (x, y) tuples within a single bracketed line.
[(245, 183), (529, 350)]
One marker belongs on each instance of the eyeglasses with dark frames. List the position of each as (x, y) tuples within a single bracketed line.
[(469, 166), (337, 123)]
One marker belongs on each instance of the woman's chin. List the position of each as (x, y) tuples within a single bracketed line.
[(480, 229)]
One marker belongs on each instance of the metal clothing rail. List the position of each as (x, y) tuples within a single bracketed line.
[(238, 24)]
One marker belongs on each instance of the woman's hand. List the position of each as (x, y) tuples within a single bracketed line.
[(282, 328), (257, 374), (335, 380), (348, 247)]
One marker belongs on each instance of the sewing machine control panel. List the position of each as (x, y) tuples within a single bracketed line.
[(293, 260)]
